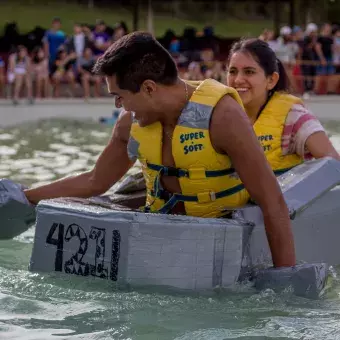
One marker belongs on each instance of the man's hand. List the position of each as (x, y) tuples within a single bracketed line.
[(111, 165), (231, 133)]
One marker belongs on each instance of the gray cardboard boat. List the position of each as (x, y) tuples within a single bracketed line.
[(109, 238)]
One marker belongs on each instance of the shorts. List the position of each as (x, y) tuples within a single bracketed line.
[(324, 70)]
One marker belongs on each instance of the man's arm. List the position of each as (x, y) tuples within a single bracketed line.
[(46, 44), (232, 133), (111, 165)]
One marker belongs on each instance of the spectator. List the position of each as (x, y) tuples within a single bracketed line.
[(101, 39), (194, 72), (78, 42), (53, 40), (189, 45), (207, 58), (62, 71), (119, 31), (336, 50), (2, 77), (287, 50), (326, 70), (297, 80), (19, 73), (86, 77), (209, 40), (86, 29), (217, 72), (269, 37), (40, 72), (309, 58)]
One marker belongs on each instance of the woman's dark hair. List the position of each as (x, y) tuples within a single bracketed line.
[(134, 58), (266, 58), (35, 52)]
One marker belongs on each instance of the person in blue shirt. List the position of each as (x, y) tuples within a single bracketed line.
[(53, 39)]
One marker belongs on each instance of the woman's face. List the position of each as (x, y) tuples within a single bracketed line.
[(194, 68), (41, 54), (22, 52), (249, 79), (62, 55)]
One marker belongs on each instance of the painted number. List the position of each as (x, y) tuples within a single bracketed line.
[(75, 264)]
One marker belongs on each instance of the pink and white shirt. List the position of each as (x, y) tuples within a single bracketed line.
[(300, 124)]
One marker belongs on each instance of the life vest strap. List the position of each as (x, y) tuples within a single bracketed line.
[(172, 199)]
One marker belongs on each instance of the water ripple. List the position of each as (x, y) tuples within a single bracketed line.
[(36, 306)]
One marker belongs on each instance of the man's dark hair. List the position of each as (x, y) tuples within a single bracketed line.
[(135, 58)]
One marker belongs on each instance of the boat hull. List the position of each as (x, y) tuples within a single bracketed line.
[(103, 239)]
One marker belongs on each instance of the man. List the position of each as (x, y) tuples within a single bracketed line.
[(170, 123), (54, 38), (101, 38), (78, 42)]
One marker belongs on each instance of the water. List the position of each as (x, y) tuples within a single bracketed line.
[(36, 306)]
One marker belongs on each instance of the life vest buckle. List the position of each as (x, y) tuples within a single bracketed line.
[(206, 197), (197, 173), (171, 171)]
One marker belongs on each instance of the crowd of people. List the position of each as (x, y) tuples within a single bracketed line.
[(62, 65), (58, 59), (311, 56)]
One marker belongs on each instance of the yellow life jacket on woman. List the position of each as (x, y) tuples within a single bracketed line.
[(269, 129)]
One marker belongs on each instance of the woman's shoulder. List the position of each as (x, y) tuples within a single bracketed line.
[(299, 113), (301, 118)]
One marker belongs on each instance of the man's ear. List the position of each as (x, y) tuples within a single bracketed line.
[(149, 87)]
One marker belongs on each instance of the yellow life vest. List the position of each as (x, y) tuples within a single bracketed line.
[(208, 182), (269, 129)]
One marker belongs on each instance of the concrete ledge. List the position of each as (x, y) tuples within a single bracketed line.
[(324, 107)]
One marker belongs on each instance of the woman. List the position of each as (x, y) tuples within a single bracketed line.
[(287, 130), (19, 73), (194, 72), (40, 69)]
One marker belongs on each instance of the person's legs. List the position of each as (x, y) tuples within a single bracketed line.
[(85, 81), (18, 82), (97, 82), (56, 78), (70, 78), (307, 72), (46, 86), (320, 78), (28, 85), (332, 83)]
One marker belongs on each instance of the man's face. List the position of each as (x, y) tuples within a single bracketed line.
[(142, 103), (77, 29), (101, 28), (56, 25)]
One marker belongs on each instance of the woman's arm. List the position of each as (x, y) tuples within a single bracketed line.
[(304, 135), (319, 145)]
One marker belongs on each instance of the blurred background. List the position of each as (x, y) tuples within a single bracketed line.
[(47, 48)]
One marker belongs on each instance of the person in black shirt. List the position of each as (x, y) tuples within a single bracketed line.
[(325, 71), (309, 57)]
